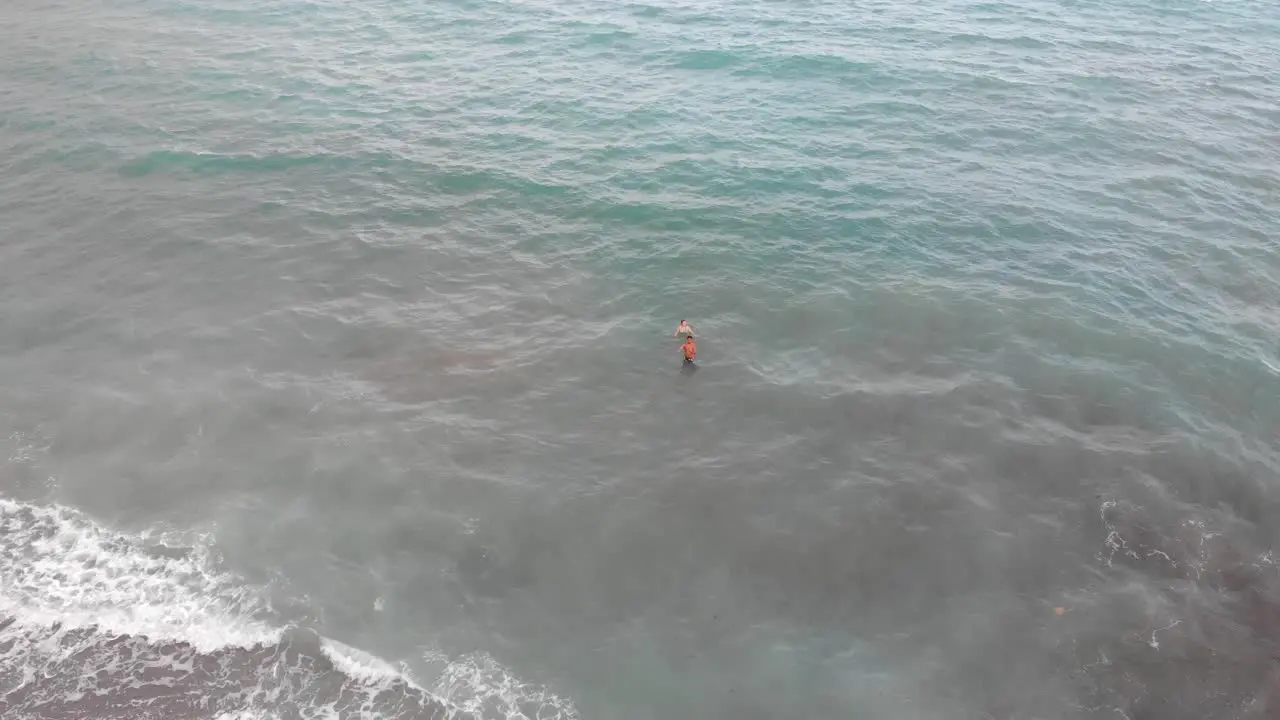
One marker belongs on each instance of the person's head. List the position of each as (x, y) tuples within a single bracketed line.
[(689, 338)]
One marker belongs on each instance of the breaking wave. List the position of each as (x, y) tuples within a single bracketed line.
[(100, 624)]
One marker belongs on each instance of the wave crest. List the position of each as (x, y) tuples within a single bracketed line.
[(104, 625)]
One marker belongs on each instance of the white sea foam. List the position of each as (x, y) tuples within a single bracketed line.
[(478, 685), (358, 663), (60, 567), (70, 586)]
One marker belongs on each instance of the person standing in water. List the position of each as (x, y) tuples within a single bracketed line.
[(690, 349), (684, 329)]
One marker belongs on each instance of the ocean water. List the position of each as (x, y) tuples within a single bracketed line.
[(337, 377)]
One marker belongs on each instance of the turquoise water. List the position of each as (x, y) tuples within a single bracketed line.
[(337, 370)]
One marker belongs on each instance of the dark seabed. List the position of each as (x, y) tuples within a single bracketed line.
[(337, 377)]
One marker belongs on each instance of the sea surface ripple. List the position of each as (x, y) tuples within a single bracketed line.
[(337, 375)]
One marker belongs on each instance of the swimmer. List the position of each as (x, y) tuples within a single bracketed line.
[(690, 349), (684, 329)]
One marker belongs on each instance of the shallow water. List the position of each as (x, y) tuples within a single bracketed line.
[(337, 375)]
